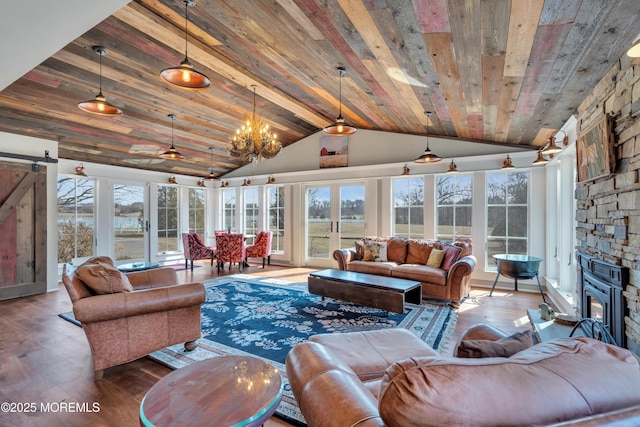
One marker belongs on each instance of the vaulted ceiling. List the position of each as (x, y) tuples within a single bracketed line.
[(498, 71)]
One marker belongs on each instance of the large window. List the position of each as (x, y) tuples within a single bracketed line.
[(167, 219), (408, 207), (75, 218), (453, 206), (251, 214), (229, 209), (507, 213), (196, 211), (276, 217)]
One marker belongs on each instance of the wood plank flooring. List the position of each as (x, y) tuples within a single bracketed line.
[(45, 360)]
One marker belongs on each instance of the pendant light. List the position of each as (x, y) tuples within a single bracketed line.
[(453, 168), (212, 176), (507, 164), (99, 105), (428, 156), (340, 127), (552, 148), (184, 76), (172, 154), (540, 160)]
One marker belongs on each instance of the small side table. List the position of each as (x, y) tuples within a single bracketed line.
[(517, 267), (223, 391)]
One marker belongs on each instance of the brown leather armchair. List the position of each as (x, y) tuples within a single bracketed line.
[(125, 326)]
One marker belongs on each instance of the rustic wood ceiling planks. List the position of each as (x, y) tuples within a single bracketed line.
[(499, 71)]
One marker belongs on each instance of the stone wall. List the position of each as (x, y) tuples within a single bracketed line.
[(608, 208)]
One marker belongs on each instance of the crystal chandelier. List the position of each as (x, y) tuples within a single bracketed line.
[(254, 141)]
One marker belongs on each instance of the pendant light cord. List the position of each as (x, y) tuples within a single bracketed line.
[(100, 55), (186, 33), (340, 94)]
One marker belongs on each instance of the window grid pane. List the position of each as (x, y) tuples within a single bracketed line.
[(453, 206), (251, 214), (408, 207), (197, 211), (507, 214), (276, 218), (75, 218), (167, 219)]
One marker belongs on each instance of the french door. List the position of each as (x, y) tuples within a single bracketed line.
[(131, 222), (334, 219)]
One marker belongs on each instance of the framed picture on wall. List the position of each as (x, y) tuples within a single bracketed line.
[(334, 151), (594, 151)]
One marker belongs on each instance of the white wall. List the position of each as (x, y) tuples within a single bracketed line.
[(25, 145), (33, 30)]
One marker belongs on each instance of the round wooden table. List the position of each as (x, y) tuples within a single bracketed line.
[(223, 391), (517, 267)]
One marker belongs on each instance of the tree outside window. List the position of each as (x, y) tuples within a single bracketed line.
[(167, 219), (76, 225), (197, 211), (251, 214), (453, 206), (229, 209), (507, 214), (408, 207), (276, 217)]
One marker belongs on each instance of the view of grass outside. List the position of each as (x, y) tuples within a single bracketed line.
[(507, 214), (408, 207), (276, 217), (75, 218), (129, 239), (453, 206)]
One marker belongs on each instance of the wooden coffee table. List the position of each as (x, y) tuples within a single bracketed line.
[(385, 293), (223, 391)]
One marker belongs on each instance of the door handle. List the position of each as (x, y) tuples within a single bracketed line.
[(146, 226), (338, 226), (331, 227)]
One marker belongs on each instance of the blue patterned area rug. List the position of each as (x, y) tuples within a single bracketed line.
[(265, 317)]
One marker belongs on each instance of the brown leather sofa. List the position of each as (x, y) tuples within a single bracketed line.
[(407, 259), (391, 378), (124, 326)]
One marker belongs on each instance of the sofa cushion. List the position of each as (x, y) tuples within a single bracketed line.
[(102, 277), (418, 251), (504, 347), (397, 250), (435, 258), (550, 382), (451, 255), (368, 267), (420, 273), (382, 347)]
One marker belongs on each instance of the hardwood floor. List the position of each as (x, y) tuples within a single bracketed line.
[(45, 362)]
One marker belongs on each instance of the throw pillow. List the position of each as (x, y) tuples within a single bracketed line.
[(103, 277), (435, 258), (451, 254), (375, 251), (359, 250), (504, 347), (382, 252)]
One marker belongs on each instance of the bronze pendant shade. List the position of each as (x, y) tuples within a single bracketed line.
[(184, 76), (99, 104), (428, 156), (340, 127), (172, 154)]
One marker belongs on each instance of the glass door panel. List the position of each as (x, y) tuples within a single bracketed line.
[(351, 226), (130, 223), (319, 223), (334, 220)]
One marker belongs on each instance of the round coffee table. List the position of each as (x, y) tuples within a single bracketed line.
[(223, 391)]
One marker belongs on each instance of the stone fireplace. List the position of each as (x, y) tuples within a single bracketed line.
[(608, 209), (601, 289)]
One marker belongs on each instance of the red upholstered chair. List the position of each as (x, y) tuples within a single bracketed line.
[(230, 248), (194, 248), (261, 247)]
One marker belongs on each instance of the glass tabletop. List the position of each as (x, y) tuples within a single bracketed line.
[(138, 266), (517, 258)]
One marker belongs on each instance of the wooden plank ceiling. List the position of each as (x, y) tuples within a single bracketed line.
[(499, 71)]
